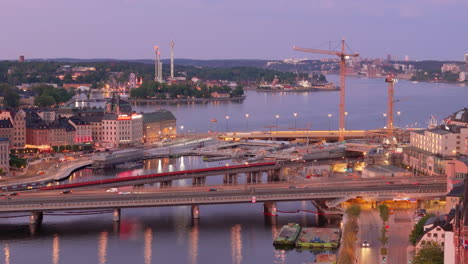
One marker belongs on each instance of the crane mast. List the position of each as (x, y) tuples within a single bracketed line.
[(391, 83), (343, 56)]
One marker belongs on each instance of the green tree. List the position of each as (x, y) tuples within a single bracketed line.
[(430, 253), (10, 96), (384, 212), (383, 236), (418, 230), (353, 211), (44, 101)]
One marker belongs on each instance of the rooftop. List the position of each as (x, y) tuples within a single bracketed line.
[(158, 116)]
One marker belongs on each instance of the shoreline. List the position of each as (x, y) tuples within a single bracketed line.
[(196, 100), (296, 90)]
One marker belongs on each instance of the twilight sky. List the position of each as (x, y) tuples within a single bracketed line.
[(231, 29)]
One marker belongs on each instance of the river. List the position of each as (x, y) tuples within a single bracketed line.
[(225, 233)]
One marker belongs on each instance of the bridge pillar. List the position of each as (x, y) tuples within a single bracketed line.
[(230, 178), (248, 177), (195, 212), (165, 184), (421, 204), (35, 218), (116, 215), (274, 175), (269, 208), (198, 181)]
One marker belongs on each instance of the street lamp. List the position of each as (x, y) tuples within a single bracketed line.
[(346, 116), (181, 130), (276, 121), (227, 123), (295, 117), (247, 121), (398, 114), (385, 121), (329, 122)]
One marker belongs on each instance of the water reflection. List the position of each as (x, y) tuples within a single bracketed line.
[(102, 247), (55, 249), (236, 244), (148, 236), (6, 251), (160, 170), (193, 244)]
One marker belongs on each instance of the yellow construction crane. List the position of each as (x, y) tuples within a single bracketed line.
[(343, 56)]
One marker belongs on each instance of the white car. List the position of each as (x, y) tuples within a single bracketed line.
[(365, 243), (112, 190)]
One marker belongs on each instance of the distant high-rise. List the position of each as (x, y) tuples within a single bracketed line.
[(21, 58), (466, 57), (172, 60), (406, 58), (389, 57), (157, 65)]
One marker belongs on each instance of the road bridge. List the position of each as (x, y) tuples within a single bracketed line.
[(42, 201), (309, 135)]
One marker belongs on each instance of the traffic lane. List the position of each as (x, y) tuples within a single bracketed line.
[(400, 226), (369, 228), (284, 188), (106, 197)]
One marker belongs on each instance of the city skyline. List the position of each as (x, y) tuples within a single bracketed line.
[(209, 29)]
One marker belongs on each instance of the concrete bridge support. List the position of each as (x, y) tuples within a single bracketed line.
[(35, 218), (274, 175), (230, 179), (116, 215), (421, 204), (35, 222), (165, 184), (269, 208), (198, 181), (195, 212)]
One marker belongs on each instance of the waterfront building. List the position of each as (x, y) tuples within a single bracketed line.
[(459, 118), (121, 127), (450, 67), (18, 119), (460, 238), (4, 155), (430, 148), (44, 135), (6, 129), (158, 125), (83, 134)]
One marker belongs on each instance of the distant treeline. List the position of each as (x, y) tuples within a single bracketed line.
[(15, 73)]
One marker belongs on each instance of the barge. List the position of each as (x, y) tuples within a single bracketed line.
[(319, 238), (288, 235)]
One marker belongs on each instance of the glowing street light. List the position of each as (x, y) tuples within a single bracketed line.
[(295, 117), (276, 121), (247, 121), (346, 116), (329, 122), (227, 123)]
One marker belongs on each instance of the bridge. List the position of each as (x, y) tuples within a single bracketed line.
[(42, 201), (310, 135)]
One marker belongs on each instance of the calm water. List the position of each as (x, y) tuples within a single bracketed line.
[(224, 233)]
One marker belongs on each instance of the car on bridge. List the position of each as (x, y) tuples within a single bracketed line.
[(67, 192), (213, 190)]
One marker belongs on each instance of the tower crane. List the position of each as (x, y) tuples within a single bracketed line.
[(391, 82), (343, 56)]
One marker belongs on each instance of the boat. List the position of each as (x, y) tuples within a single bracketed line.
[(315, 237), (288, 235)]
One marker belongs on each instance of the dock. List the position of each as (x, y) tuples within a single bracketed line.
[(319, 238)]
